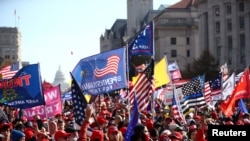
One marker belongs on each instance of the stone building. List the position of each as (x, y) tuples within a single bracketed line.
[(10, 46), (176, 31), (224, 29)]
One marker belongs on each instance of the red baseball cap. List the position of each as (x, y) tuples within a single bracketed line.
[(61, 134), (5, 124), (123, 129), (101, 120), (176, 135), (97, 134)]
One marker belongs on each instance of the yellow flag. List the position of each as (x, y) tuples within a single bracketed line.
[(161, 73), (87, 97), (134, 79)]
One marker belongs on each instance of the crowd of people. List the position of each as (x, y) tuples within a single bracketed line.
[(108, 120)]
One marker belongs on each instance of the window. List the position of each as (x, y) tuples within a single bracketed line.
[(241, 7), (230, 49), (173, 53), (217, 42), (229, 25), (217, 27), (6, 57), (218, 46), (241, 22), (173, 41), (188, 53), (188, 41), (242, 49), (228, 9), (217, 11)]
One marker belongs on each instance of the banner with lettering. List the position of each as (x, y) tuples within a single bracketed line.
[(53, 105), (24, 90), (143, 43), (101, 73)]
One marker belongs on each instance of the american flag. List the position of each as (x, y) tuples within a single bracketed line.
[(107, 67), (213, 88), (192, 95), (144, 87), (9, 71), (215, 85), (79, 102), (207, 93)]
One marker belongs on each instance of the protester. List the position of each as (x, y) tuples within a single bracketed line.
[(5, 130), (140, 133), (17, 135)]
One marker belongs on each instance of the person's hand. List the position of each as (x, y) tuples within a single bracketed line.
[(88, 112)]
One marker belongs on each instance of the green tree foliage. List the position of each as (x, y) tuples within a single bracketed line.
[(205, 64)]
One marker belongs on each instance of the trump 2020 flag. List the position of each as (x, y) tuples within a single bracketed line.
[(101, 73), (143, 44), (24, 90)]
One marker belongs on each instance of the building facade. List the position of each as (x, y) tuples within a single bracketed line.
[(176, 34), (10, 46), (224, 29), (176, 31)]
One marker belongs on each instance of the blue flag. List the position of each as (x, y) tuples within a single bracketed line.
[(149, 107), (102, 73), (24, 90), (133, 121), (242, 106), (143, 44)]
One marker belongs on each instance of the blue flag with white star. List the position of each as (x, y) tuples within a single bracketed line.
[(143, 44)]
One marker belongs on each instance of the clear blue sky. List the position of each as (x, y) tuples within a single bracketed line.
[(52, 29)]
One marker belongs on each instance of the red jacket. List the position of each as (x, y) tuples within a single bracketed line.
[(200, 136)]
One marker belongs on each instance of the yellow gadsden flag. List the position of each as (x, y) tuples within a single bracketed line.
[(161, 73)]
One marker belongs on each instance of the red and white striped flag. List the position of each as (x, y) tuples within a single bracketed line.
[(9, 71), (207, 93), (143, 88)]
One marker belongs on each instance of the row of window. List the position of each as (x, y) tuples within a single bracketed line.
[(173, 41), (175, 54), (240, 50), (229, 25), (8, 57), (228, 9)]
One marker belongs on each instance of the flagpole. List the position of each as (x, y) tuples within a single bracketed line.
[(153, 102), (127, 68), (15, 17)]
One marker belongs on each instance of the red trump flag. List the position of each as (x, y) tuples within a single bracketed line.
[(241, 90)]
